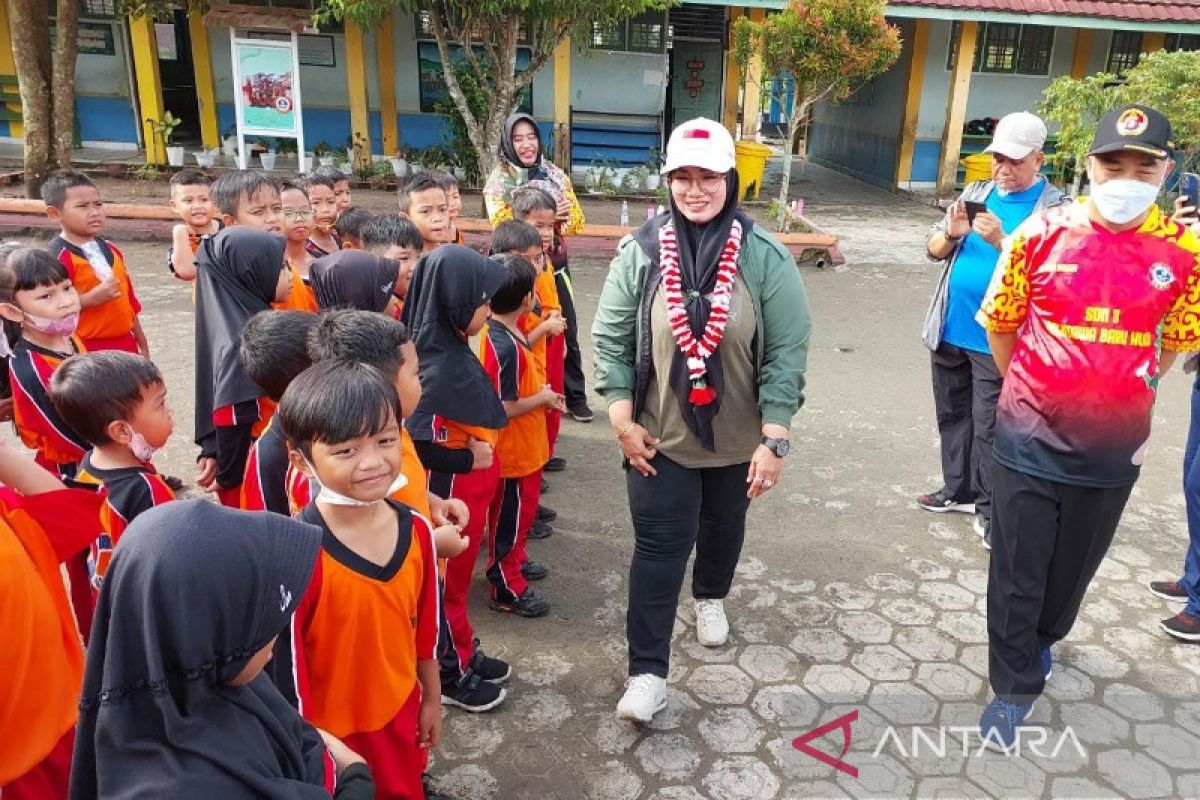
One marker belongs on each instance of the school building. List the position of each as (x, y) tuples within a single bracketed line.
[(611, 98)]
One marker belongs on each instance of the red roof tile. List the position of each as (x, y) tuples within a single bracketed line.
[(1173, 11)]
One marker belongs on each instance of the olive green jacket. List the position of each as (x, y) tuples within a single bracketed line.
[(620, 333)]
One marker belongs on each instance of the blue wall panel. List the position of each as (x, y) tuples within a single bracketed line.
[(927, 155), (105, 119)]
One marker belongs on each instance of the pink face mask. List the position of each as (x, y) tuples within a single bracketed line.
[(52, 327)]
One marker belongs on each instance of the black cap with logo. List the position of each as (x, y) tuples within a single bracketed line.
[(1134, 127)]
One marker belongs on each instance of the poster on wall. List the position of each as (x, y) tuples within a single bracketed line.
[(433, 83), (314, 50), (266, 90), (266, 86)]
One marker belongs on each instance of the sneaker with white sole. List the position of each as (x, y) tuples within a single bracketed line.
[(645, 695), (940, 502), (712, 626)]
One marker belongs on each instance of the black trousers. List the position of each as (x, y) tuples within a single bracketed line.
[(573, 381), (966, 386), (1048, 540), (674, 511)]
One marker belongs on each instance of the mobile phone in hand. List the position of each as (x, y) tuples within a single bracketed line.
[(974, 208), (1189, 189)]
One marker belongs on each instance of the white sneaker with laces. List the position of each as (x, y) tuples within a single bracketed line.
[(712, 627), (645, 695)]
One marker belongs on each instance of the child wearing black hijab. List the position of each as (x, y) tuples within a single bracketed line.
[(355, 279), (240, 273), (175, 703), (455, 430)]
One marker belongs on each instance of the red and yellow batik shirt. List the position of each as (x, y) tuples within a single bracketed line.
[(1093, 310)]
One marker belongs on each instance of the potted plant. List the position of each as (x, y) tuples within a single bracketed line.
[(164, 127), (205, 159), (342, 162), (634, 180), (653, 165), (323, 153), (229, 141), (267, 155), (399, 162)]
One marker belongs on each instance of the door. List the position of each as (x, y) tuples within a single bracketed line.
[(696, 76), (178, 77)]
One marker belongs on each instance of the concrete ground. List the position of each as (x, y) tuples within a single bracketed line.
[(849, 600)]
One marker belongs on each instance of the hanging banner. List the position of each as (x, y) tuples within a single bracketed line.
[(266, 91)]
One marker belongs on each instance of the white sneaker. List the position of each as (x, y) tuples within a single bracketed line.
[(712, 627), (645, 695)]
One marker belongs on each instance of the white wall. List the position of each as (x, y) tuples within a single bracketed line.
[(618, 82), (104, 75)]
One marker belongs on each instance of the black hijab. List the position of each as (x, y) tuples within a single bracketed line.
[(236, 274), (700, 249), (509, 152), (192, 592), (353, 279), (448, 285)]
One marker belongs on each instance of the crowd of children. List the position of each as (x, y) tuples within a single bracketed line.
[(337, 385)]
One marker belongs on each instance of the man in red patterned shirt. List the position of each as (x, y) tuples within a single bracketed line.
[(1087, 309)]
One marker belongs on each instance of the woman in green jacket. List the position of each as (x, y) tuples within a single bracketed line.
[(701, 339)]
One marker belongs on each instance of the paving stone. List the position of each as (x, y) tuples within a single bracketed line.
[(1113, 571), (1096, 661), (806, 611), (768, 663), (824, 790), (1073, 788), (1129, 554), (750, 568), (1132, 702), (1100, 609), (1188, 785), (836, 683), (544, 709), (544, 669), (732, 730), (890, 582), (468, 780), (879, 777), (668, 756), (611, 781), (847, 597), (925, 644), (1187, 715), (681, 711), (865, 626), (966, 626), (1069, 684), (1134, 775), (975, 580), (1134, 596), (741, 778), (975, 658), (792, 586), (753, 632), (470, 737), (724, 654), (883, 663), (720, 683), (1094, 724), (948, 682), (1010, 777), (945, 788), (794, 766), (821, 644), (927, 570), (903, 704), (677, 793), (907, 611), (1166, 743), (788, 706), (610, 735)]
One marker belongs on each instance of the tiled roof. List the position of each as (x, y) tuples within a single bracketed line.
[(1129, 10)]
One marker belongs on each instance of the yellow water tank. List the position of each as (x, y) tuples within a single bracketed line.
[(979, 167), (751, 164)]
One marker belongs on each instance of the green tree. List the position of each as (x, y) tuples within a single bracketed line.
[(46, 79), (1077, 104), (829, 47), (489, 33)]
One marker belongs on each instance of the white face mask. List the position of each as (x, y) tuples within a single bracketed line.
[(142, 450), (327, 495), (1122, 200)]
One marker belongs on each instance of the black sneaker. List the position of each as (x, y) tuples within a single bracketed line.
[(939, 502), (555, 464), (983, 527), (490, 669), (545, 485), (473, 694), (546, 514), (1168, 590), (529, 604), (1183, 626), (534, 570), (540, 530), (580, 412)]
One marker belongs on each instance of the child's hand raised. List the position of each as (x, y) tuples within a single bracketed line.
[(449, 512)]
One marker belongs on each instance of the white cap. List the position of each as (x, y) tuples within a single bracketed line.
[(1017, 135), (702, 143)]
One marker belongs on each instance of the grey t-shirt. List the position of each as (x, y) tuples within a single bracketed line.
[(737, 428)]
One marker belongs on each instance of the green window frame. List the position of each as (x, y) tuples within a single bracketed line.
[(642, 33), (423, 28), (1007, 48), (1182, 41), (1124, 51)]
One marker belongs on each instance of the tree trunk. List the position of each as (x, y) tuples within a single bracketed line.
[(66, 53), (28, 20)]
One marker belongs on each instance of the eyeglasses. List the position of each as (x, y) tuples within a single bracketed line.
[(296, 214), (708, 183)]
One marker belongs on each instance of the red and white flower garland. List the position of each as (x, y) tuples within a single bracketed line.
[(698, 351)]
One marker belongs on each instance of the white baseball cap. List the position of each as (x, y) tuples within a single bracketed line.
[(702, 143), (1017, 135)]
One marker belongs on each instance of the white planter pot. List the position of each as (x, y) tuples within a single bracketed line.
[(268, 160), (229, 146), (347, 169), (325, 161), (350, 154), (306, 163), (176, 156), (399, 167), (205, 159), (653, 181)]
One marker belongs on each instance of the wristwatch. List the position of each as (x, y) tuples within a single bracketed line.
[(779, 447)]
